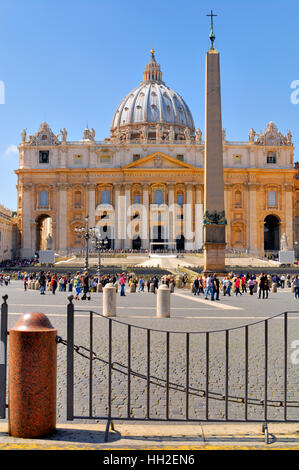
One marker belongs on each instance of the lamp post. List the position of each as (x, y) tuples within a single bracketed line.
[(85, 232), (99, 245)]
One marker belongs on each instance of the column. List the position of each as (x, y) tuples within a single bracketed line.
[(198, 217), (27, 249), (171, 215), (252, 218), (145, 219), (62, 216), (289, 215), (117, 216), (91, 203), (127, 218), (188, 218), (228, 211)]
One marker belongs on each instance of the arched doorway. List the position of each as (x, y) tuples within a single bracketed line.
[(106, 235), (136, 242), (44, 235), (271, 233), (180, 243), (158, 238)]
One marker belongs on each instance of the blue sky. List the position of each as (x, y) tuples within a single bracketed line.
[(70, 63)]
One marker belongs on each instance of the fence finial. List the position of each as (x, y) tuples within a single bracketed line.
[(5, 297), (70, 298)]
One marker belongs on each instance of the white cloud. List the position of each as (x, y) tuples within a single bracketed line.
[(11, 149)]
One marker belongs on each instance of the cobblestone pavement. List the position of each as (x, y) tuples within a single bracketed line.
[(188, 314)]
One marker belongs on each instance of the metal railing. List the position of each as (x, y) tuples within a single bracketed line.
[(212, 370), (249, 408)]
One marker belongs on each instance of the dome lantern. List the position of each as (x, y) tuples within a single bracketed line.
[(149, 105), (152, 71)]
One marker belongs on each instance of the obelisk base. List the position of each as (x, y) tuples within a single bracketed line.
[(214, 258)]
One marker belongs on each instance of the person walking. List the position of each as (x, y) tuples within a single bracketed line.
[(251, 284), (85, 284), (237, 285), (141, 285), (122, 282), (42, 282), (77, 285), (156, 283), (215, 287), (243, 284), (296, 287), (54, 283), (196, 286), (262, 283), (208, 287)]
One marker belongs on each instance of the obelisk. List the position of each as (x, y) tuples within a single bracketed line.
[(214, 216)]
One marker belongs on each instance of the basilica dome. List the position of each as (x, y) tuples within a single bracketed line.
[(152, 104)]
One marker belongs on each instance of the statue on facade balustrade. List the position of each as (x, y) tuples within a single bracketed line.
[(24, 135), (198, 135), (252, 135), (63, 134), (49, 242), (187, 134), (283, 242)]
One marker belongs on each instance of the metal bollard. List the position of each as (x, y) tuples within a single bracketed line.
[(163, 302), (109, 300), (32, 377)]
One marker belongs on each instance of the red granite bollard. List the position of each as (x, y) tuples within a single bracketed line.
[(32, 377)]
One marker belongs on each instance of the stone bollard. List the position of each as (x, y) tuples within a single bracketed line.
[(163, 302), (292, 287), (109, 300), (36, 285), (255, 288), (178, 283), (99, 287), (116, 286), (274, 287), (133, 287), (32, 377), (152, 287), (171, 287)]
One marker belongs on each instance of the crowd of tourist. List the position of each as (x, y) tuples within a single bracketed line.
[(210, 286)]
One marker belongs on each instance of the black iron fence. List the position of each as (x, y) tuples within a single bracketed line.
[(122, 372), (241, 374)]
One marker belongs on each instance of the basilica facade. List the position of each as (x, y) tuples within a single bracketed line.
[(143, 187)]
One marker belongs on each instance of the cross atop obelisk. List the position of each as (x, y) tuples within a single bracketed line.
[(214, 216), (212, 35)]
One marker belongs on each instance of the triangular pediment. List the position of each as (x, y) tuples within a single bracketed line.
[(158, 161)]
